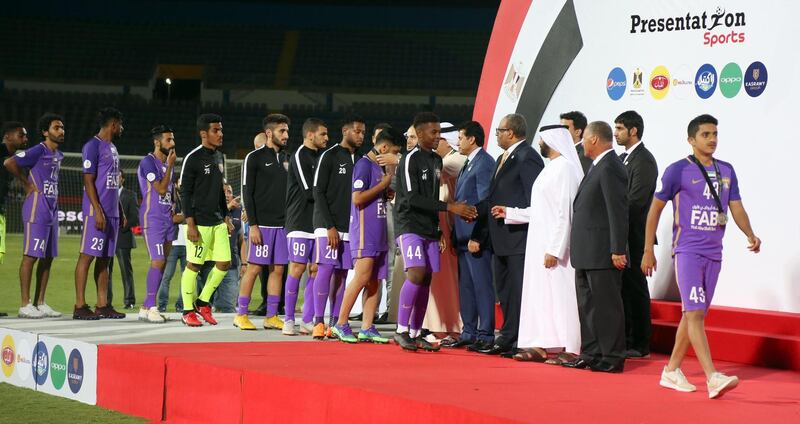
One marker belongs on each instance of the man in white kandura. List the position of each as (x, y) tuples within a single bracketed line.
[(549, 315)]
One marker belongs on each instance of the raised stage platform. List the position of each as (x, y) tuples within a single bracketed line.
[(219, 374)]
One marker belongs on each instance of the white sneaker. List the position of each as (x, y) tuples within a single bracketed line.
[(720, 383), (306, 328), (676, 380), (151, 315), (30, 311), (288, 328), (48, 311)]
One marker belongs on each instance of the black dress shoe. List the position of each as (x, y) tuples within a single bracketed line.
[(633, 353), (577, 363), (478, 346), (359, 317), (455, 344), (604, 366), (383, 319), (494, 349)]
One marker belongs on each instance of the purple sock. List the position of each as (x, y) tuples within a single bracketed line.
[(272, 304), (420, 306), (292, 286), (322, 286), (153, 281), (242, 305), (337, 293), (308, 301), (408, 294)]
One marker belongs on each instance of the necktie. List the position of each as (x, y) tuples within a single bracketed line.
[(590, 170), (502, 161), (623, 156)]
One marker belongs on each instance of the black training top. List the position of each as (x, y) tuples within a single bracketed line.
[(264, 188), (332, 189), (417, 204), (300, 191), (202, 193)]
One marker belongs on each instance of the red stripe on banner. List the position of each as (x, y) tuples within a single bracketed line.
[(507, 24)]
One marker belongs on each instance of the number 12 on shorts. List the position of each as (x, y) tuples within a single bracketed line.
[(697, 295)]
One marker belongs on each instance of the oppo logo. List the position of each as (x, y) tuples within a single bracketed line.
[(730, 80)]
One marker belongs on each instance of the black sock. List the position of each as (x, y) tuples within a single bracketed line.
[(199, 302)]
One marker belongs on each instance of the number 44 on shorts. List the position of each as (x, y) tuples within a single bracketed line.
[(697, 295)]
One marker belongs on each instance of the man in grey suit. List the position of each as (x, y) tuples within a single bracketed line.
[(598, 253), (125, 242), (476, 293), (514, 174), (642, 175)]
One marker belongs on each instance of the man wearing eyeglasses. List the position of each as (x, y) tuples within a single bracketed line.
[(515, 172)]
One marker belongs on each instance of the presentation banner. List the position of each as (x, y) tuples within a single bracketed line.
[(16, 348), (671, 61), (66, 368)]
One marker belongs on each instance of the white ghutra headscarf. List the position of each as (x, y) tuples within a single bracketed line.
[(559, 139)]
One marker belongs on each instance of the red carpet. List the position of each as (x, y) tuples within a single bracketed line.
[(332, 382)]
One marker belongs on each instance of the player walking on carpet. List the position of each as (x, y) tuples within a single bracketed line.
[(37, 170), (264, 194), (703, 190), (417, 228), (208, 224), (332, 194), (101, 215), (299, 223), (155, 214), (369, 246)]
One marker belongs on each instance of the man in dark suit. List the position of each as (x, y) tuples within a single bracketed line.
[(514, 174), (642, 175), (476, 293), (125, 242), (597, 252), (576, 123)]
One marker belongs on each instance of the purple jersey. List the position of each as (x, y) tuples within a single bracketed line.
[(41, 206), (696, 229), (368, 224), (101, 159), (156, 209)]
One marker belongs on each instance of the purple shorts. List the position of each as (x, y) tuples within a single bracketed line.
[(300, 250), (97, 243), (272, 250), (380, 268), (697, 279), (419, 252), (155, 238), (339, 258), (41, 240)]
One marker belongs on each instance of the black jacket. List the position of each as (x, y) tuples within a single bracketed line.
[(203, 196), (600, 215), (130, 207), (332, 189), (642, 177), (264, 188), (417, 204), (511, 186), (300, 191)]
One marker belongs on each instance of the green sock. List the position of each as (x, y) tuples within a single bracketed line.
[(188, 288), (214, 278)]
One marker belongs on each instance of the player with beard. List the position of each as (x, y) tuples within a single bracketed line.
[(299, 223), (37, 170), (264, 194), (332, 193), (155, 183), (101, 215)]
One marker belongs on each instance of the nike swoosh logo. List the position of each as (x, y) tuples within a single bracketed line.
[(425, 170), (269, 164), (696, 181)]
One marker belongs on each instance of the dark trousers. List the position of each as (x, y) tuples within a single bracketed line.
[(636, 300), (508, 272), (601, 314), (476, 295), (126, 274)]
